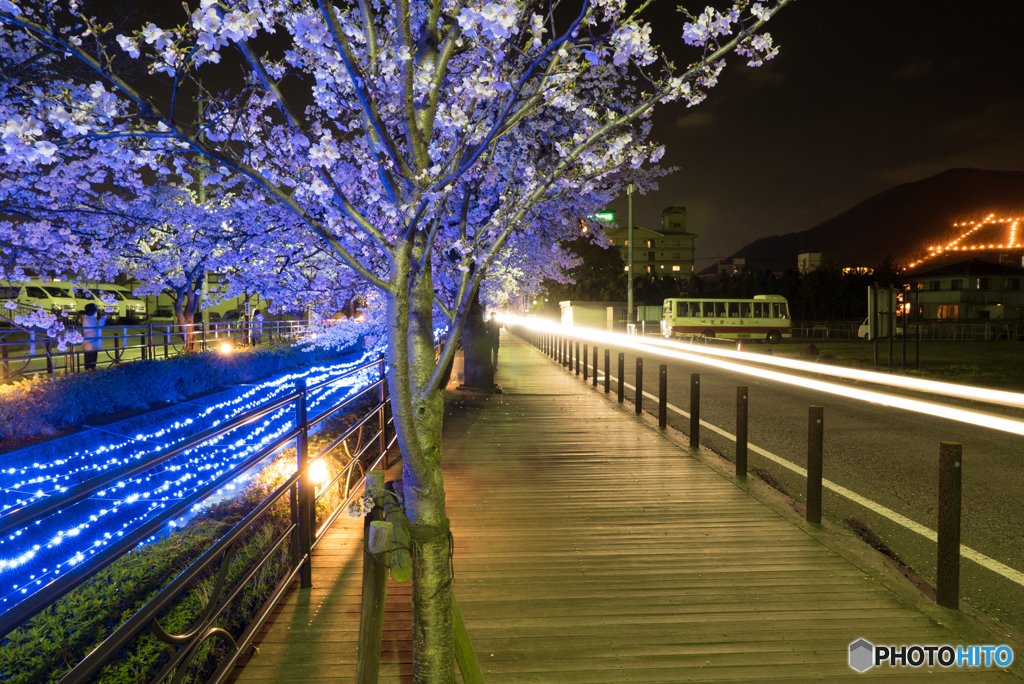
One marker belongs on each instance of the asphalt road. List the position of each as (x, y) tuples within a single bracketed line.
[(887, 455)]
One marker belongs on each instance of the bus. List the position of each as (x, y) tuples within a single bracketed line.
[(765, 317)]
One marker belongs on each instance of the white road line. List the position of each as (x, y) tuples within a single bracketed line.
[(965, 551)]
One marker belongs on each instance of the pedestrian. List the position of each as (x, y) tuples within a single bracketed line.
[(92, 335), (494, 332), (256, 327)]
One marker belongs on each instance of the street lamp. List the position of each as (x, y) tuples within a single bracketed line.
[(629, 259)]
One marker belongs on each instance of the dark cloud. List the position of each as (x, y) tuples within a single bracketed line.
[(695, 119), (917, 67)]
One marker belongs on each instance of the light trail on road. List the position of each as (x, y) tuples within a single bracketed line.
[(977, 418), (682, 352)]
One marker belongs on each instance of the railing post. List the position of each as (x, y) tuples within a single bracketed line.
[(49, 358), (595, 368), (202, 332), (741, 431), (117, 349), (167, 341), (577, 358), (639, 406), (5, 370), (607, 371), (947, 583), (374, 592), (622, 373), (663, 396), (815, 445), (694, 410), (382, 396), (586, 357), (306, 510)]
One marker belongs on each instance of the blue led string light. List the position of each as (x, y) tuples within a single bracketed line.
[(36, 553)]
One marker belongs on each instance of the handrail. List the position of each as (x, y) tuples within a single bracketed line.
[(353, 371), (83, 490), (298, 486), (135, 623), (20, 612)]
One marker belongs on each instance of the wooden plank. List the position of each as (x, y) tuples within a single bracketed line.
[(590, 549)]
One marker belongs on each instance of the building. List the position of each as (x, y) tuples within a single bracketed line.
[(664, 252), (808, 261), (972, 290)]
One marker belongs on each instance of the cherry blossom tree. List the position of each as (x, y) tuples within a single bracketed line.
[(418, 144)]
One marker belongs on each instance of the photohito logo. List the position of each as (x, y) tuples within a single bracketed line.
[(864, 655)]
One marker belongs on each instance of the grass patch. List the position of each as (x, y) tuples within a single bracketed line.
[(43, 649)]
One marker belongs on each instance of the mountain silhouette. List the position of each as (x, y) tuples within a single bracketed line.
[(900, 222)]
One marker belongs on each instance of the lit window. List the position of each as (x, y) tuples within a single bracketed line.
[(675, 268)]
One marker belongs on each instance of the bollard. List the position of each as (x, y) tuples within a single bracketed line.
[(622, 372), (607, 371), (815, 445), (694, 410), (947, 584), (662, 396), (595, 367), (586, 355), (741, 431), (306, 498), (639, 408), (577, 358)]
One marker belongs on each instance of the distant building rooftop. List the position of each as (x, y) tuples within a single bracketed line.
[(968, 268)]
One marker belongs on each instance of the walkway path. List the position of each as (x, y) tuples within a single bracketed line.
[(591, 548)]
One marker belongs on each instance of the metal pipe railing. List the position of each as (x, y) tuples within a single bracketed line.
[(302, 532)]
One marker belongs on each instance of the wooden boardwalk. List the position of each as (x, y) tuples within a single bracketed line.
[(590, 548)]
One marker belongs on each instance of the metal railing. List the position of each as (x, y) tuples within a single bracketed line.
[(301, 535), (29, 353)]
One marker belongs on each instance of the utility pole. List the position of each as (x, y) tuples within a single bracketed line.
[(629, 259)]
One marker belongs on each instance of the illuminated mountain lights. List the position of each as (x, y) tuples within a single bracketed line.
[(991, 226)]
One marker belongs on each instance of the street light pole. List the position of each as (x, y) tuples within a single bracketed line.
[(629, 259)]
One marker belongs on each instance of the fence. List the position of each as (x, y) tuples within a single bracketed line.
[(30, 353), (560, 347), (300, 537)]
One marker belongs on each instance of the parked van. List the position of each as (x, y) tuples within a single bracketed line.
[(128, 308), (54, 297)]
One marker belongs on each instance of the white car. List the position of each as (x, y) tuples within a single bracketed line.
[(127, 308), (863, 332), (54, 297)]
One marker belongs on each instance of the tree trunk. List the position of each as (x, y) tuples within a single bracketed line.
[(476, 349), (418, 417), (185, 304)]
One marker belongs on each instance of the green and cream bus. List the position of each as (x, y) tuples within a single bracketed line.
[(765, 317)]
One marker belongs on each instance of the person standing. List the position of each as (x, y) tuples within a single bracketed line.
[(494, 332), (92, 335), (256, 327)]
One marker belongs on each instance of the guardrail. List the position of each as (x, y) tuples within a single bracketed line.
[(564, 349), (301, 536), (30, 353)]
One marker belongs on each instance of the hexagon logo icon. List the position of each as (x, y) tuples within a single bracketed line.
[(861, 655)]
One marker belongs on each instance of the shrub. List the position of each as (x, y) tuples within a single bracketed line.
[(37, 405)]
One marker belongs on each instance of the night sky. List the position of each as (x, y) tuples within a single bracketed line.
[(864, 95)]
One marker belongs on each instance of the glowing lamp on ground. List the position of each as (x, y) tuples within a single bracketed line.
[(318, 472), (225, 348)]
